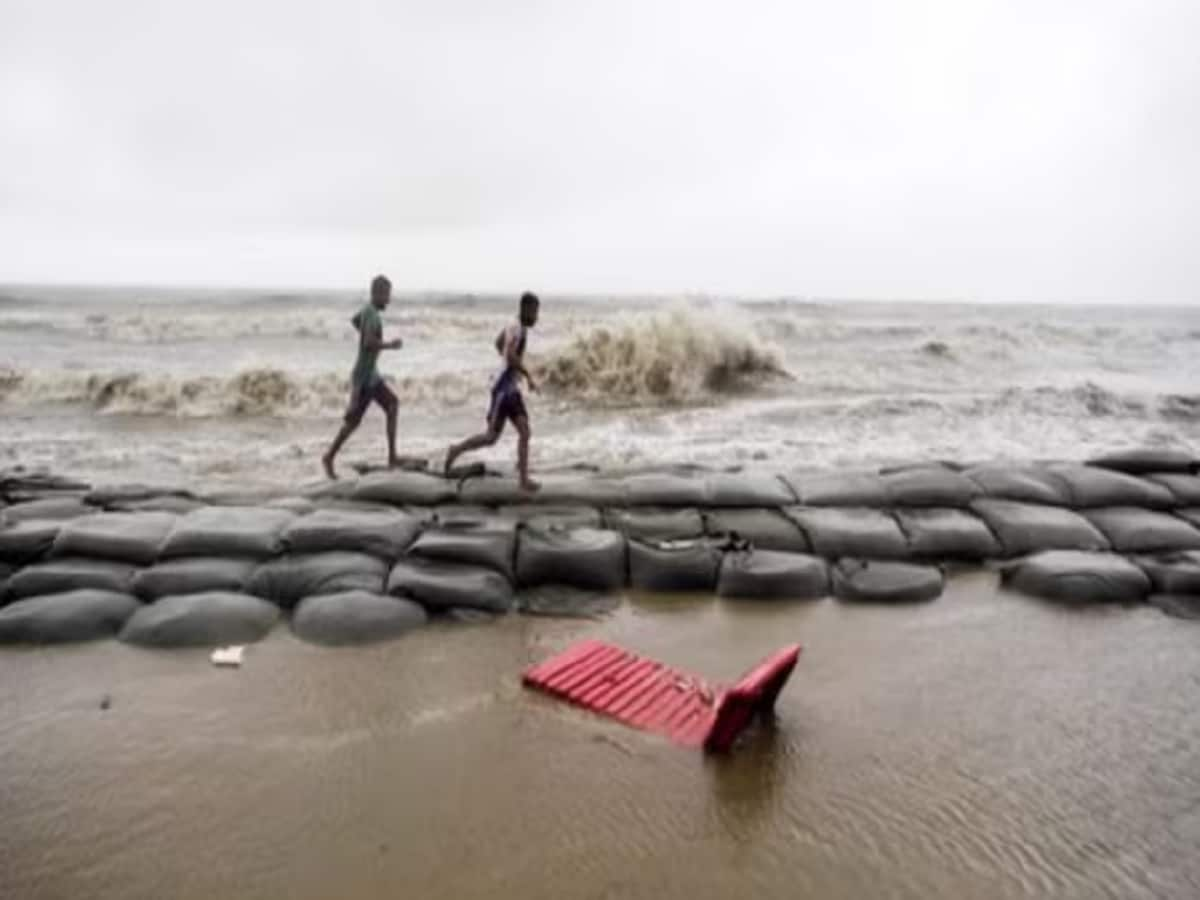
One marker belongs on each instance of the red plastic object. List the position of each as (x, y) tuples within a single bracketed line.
[(654, 697)]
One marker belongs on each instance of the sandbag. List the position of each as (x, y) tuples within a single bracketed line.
[(210, 619), (168, 503), (655, 523), (873, 581), (1076, 577), (741, 489), (1184, 488), (355, 617), (1024, 484), (556, 490), (946, 534), (1181, 606), (567, 602), (1133, 530), (1191, 514), (398, 488), (458, 514), (929, 486), (674, 566), (1089, 487), (543, 516), (837, 531), (227, 531), (383, 534), (1144, 460), (839, 489), (66, 574), (289, 579), (491, 544), (114, 495), (765, 529), (587, 558), (664, 489), (56, 508), (194, 575), (79, 615), (1027, 527), (123, 536), (301, 506), (770, 575), (1173, 573), (443, 586), (28, 541)]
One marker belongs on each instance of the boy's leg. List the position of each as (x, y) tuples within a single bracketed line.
[(343, 434), (391, 408), (523, 433), (483, 439)]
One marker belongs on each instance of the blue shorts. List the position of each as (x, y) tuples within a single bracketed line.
[(362, 395), (507, 403)]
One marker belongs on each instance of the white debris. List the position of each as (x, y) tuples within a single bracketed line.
[(228, 656)]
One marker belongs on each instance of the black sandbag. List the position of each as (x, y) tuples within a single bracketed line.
[(133, 537), (587, 558), (1133, 530), (655, 523), (929, 486), (947, 534), (79, 615), (674, 566), (210, 619), (544, 516), (1077, 577), (227, 531), (28, 541), (875, 581), (765, 529), (115, 495), (289, 579), (1024, 484), (57, 576), (567, 602), (739, 489), (59, 508), (838, 489), (1181, 606), (355, 617), (491, 544), (194, 575), (847, 531), (1173, 573), (1089, 487), (1184, 488), (444, 586), (770, 575), (1029, 527), (400, 488), (383, 534), (1144, 460)]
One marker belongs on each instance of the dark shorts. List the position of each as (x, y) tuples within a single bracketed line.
[(360, 399), (505, 405)]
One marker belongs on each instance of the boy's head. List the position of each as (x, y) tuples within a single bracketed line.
[(529, 309), (381, 291)]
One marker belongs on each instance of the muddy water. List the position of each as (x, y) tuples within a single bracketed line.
[(982, 746)]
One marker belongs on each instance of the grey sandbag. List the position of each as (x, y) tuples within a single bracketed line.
[(227, 531), (209, 619), (59, 576), (28, 541), (873, 581), (383, 534), (559, 490), (489, 543), (301, 506), (770, 575), (1073, 576), (1192, 514), (1184, 488), (747, 489), (587, 558), (355, 617), (838, 489), (1133, 530), (929, 486), (568, 602), (133, 537), (289, 579), (1028, 527), (1024, 484), (674, 566), (58, 508), (442, 586), (765, 529), (400, 488), (1181, 606), (947, 534), (193, 575), (665, 489), (79, 615), (1144, 460), (169, 503), (1173, 573), (542, 516), (838, 531), (655, 523), (1088, 486), (115, 495)]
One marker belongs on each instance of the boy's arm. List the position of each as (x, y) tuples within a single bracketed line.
[(513, 359)]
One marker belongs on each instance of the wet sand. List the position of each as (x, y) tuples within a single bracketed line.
[(984, 745)]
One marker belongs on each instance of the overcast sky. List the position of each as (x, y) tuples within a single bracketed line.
[(948, 148)]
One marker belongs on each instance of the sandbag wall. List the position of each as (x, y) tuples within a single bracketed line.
[(371, 558)]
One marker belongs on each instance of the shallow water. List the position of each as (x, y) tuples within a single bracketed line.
[(984, 745)]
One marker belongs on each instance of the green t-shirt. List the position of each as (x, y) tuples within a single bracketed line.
[(368, 322)]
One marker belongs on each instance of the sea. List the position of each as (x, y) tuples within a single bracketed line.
[(196, 386)]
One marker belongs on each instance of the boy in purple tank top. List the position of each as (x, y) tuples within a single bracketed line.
[(506, 401)]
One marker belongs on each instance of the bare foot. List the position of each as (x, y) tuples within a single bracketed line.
[(394, 462), (450, 457), (327, 463), (530, 485)]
